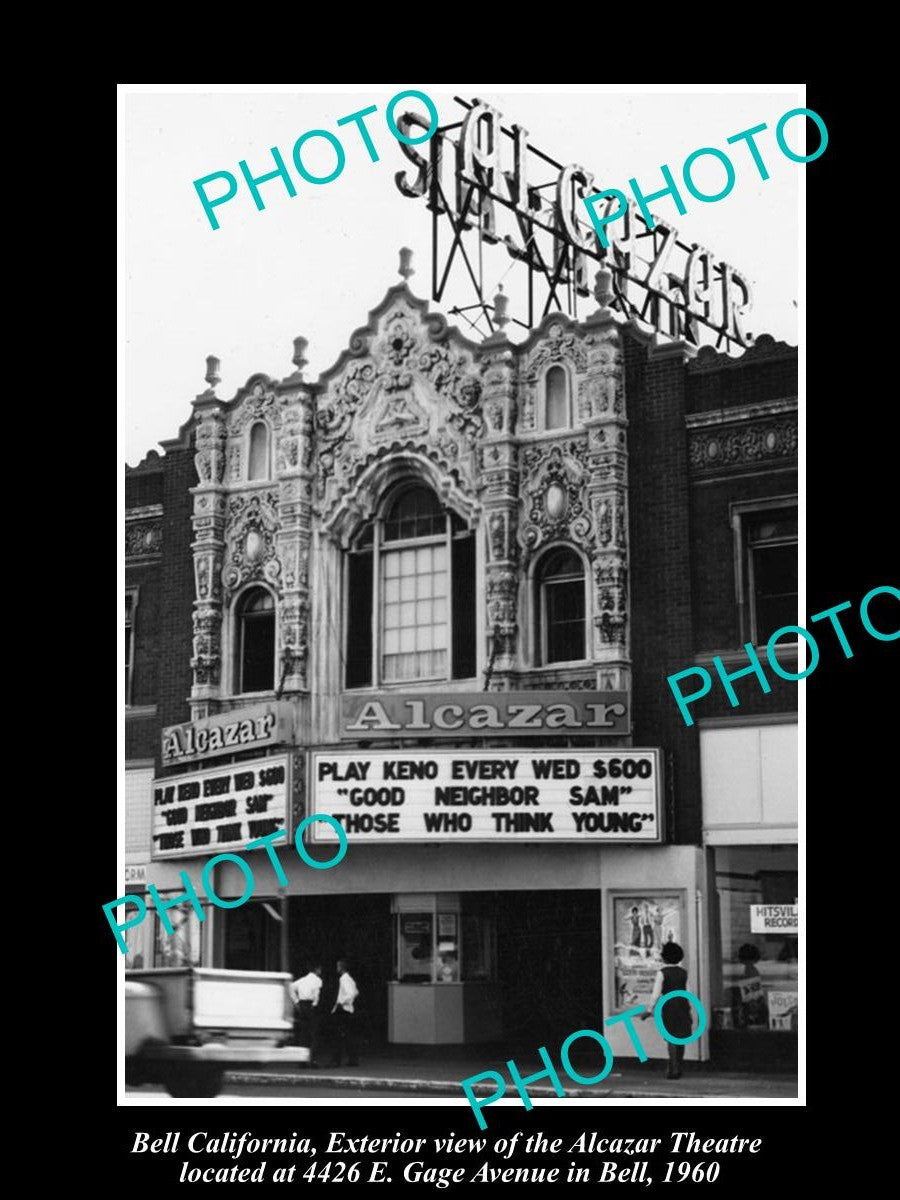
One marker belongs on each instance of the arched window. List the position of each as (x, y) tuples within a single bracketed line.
[(411, 594), (556, 399), (258, 463), (255, 641), (560, 607)]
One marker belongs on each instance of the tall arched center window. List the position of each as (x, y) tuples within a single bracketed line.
[(556, 399), (560, 607), (255, 641), (411, 594), (258, 462)]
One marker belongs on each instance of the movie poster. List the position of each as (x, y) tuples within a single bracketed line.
[(643, 925)]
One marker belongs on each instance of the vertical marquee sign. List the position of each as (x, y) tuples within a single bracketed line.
[(492, 187)]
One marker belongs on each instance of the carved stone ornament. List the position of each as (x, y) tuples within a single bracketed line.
[(502, 610), (559, 346), (252, 526), (143, 539), (209, 458), (408, 389), (498, 391), (560, 474), (713, 448), (611, 589), (501, 528), (602, 393), (260, 404)]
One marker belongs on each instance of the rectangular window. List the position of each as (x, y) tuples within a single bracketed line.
[(414, 608), (767, 562), (181, 948), (464, 607), (565, 620), (130, 607), (359, 621), (409, 609), (258, 652)]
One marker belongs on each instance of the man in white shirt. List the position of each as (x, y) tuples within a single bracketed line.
[(345, 1017), (305, 993)]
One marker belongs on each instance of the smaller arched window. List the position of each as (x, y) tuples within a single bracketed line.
[(255, 641), (556, 399), (560, 607), (258, 461)]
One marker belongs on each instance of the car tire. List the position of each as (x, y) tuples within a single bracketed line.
[(134, 1073), (194, 1081)]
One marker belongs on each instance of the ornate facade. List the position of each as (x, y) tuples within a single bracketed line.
[(635, 494), (413, 399)]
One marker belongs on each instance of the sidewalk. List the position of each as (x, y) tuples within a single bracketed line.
[(432, 1070)]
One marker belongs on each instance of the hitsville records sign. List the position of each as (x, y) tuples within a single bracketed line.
[(488, 795)]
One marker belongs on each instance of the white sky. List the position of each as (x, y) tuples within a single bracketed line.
[(317, 263)]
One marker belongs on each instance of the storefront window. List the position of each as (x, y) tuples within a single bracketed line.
[(758, 978), (253, 937), (182, 947)]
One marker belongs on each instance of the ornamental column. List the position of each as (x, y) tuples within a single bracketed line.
[(500, 499), (607, 491), (209, 543), (294, 459)]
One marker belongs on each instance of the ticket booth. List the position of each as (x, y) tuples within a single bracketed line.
[(444, 988)]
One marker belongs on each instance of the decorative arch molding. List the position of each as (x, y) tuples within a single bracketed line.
[(382, 470)]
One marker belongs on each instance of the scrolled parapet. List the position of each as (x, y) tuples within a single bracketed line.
[(411, 391)]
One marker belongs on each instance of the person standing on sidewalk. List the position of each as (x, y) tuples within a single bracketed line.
[(305, 993), (345, 1017), (675, 1014)]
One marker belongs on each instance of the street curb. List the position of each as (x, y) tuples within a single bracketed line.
[(432, 1086)]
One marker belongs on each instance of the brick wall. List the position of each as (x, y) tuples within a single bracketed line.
[(163, 621), (177, 589), (767, 371), (683, 599), (661, 613)]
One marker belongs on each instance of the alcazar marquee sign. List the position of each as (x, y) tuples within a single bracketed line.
[(484, 714), (228, 733)]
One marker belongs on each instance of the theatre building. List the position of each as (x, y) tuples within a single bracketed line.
[(435, 595)]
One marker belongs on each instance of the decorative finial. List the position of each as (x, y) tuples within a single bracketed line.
[(212, 370), (300, 360), (405, 259), (501, 303), (603, 287)]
